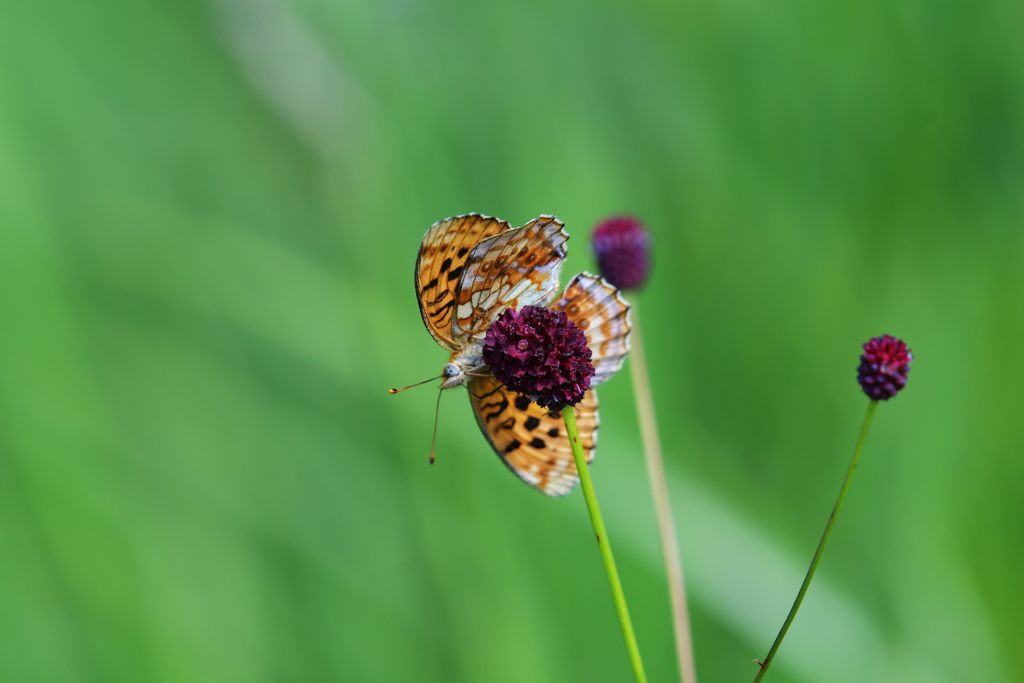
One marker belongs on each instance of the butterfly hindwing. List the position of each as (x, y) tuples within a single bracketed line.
[(516, 268), (603, 315), (445, 248), (529, 439)]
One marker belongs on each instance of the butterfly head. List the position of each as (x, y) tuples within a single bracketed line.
[(453, 376), (458, 371), (462, 365)]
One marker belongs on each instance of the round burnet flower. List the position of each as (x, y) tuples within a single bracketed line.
[(539, 353), (883, 367), (622, 247)]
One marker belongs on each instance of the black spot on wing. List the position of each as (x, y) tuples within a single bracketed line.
[(490, 393), (446, 265), (522, 403), (454, 275), (440, 297), (499, 408), (532, 423), (553, 431), (537, 442), (462, 251), (430, 285), (512, 445), (441, 309)]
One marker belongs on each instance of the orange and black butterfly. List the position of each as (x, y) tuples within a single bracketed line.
[(471, 268)]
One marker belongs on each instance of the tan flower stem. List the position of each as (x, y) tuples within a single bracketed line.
[(603, 544), (861, 438), (662, 506)]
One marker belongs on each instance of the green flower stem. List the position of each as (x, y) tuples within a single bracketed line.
[(822, 542), (603, 544), (662, 507)]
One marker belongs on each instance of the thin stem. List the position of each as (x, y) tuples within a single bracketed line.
[(822, 542), (603, 544), (662, 507)]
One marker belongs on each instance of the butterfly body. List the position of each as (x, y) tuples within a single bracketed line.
[(472, 267)]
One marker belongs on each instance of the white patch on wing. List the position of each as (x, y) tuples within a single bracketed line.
[(521, 287), (529, 477)]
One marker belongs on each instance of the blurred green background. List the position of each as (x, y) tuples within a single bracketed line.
[(209, 214)]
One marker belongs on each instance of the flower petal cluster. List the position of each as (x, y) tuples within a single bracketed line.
[(539, 353), (623, 249), (883, 367)]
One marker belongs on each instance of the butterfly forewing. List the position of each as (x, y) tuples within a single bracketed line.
[(516, 268), (529, 439), (445, 248), (603, 315)]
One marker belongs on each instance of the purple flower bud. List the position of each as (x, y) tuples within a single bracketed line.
[(883, 367), (541, 354), (623, 249)]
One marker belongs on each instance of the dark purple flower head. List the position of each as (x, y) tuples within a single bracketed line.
[(883, 367), (623, 249), (541, 354)]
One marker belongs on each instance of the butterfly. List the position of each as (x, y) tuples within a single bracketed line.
[(472, 267)]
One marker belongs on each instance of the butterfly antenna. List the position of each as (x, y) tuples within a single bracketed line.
[(433, 439), (395, 391)]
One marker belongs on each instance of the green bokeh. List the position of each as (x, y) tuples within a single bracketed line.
[(209, 212)]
